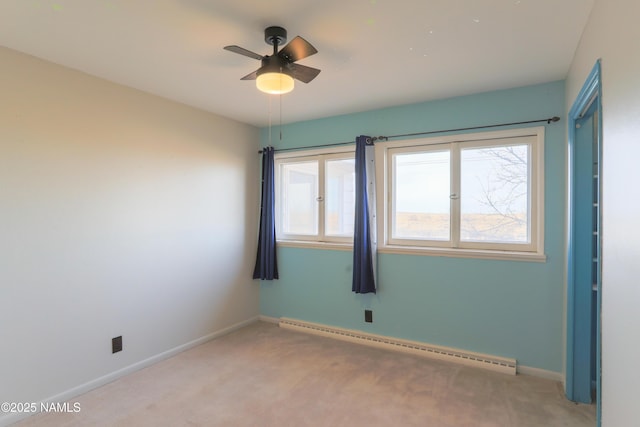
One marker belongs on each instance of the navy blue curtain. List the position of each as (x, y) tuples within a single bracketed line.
[(266, 262), (364, 280)]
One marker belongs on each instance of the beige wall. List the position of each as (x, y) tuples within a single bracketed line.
[(612, 34), (121, 213)]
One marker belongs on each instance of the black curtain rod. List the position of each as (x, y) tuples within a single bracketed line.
[(386, 138)]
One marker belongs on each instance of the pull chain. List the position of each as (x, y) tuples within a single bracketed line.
[(280, 118), (270, 114)]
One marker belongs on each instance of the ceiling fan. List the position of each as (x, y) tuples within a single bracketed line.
[(278, 71)]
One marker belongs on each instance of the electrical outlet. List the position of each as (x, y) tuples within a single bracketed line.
[(116, 344), (368, 316)]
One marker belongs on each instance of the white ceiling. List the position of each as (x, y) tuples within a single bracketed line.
[(372, 53)]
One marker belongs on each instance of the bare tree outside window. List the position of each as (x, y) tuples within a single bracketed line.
[(495, 194)]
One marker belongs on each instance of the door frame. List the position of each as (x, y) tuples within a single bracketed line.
[(576, 331)]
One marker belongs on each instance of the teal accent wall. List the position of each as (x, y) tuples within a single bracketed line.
[(506, 308)]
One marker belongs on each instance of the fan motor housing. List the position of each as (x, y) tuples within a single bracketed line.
[(275, 35), (274, 64)]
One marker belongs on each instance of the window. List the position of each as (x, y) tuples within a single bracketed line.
[(480, 192), (315, 197), (420, 196)]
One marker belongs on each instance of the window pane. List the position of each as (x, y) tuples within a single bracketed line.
[(340, 197), (495, 194), (299, 192), (421, 196)]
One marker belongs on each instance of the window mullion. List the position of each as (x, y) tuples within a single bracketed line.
[(455, 195), (390, 196), (320, 197)]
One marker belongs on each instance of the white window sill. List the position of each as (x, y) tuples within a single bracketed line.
[(413, 250), (464, 253), (315, 245)]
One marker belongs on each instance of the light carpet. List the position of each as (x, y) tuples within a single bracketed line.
[(262, 375)]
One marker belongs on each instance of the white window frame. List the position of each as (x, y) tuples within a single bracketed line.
[(320, 155), (533, 251)]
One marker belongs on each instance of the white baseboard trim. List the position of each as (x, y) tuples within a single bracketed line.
[(269, 319), (540, 373), (106, 379)]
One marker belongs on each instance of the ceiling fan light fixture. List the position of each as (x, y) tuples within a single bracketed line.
[(278, 71), (275, 83)]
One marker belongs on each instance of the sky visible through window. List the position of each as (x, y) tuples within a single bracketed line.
[(492, 178)]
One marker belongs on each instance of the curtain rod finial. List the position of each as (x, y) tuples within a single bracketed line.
[(377, 138), (553, 119)]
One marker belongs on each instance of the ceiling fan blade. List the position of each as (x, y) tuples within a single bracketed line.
[(297, 49), (303, 73), (243, 51), (251, 76)]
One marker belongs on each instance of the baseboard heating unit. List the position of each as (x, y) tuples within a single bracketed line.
[(478, 360)]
